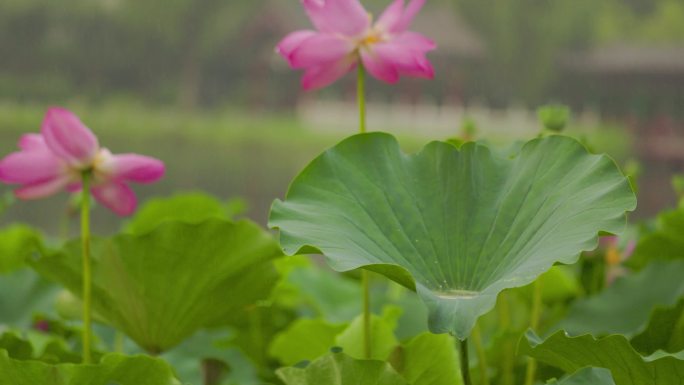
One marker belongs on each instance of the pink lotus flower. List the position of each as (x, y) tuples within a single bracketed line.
[(346, 35), (56, 159)]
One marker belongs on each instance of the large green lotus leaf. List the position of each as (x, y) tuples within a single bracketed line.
[(112, 369), (588, 376), (666, 243), (665, 331), (613, 353), (162, 286), (340, 369), (624, 307), (460, 225)]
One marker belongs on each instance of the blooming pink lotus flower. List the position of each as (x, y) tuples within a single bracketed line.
[(346, 35), (56, 159)]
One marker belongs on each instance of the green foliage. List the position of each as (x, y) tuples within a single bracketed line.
[(189, 359), (17, 242), (47, 360), (665, 243), (308, 339), (459, 244), (338, 368), (613, 353), (665, 330), (335, 297), (588, 376), (428, 359), (558, 284), (422, 360), (383, 340), (162, 286), (16, 347), (624, 307), (38, 346), (113, 368), (191, 208), (304, 340), (22, 294)]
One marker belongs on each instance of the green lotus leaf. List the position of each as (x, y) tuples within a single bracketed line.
[(666, 243), (162, 286), (307, 339), (304, 340), (16, 243), (340, 369), (624, 307), (22, 294), (333, 296), (665, 331), (16, 347), (186, 207), (188, 358), (112, 369), (40, 346), (613, 353), (459, 225), (558, 284), (588, 376), (382, 340), (429, 359)]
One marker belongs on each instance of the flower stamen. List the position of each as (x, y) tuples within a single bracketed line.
[(372, 38)]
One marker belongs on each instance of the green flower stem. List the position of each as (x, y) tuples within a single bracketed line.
[(481, 356), (507, 364), (87, 269), (465, 364), (534, 324), (361, 98)]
